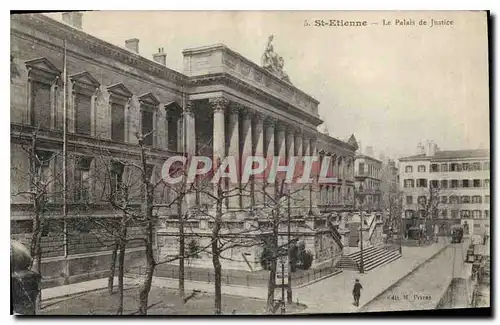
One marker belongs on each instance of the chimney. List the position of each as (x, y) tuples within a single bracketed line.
[(369, 151), (132, 44), (160, 57), (73, 18), (430, 149)]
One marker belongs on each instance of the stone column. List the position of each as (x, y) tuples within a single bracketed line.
[(219, 105), (259, 152), (281, 150), (300, 188), (234, 151), (270, 140), (315, 187), (189, 123), (307, 187), (246, 189)]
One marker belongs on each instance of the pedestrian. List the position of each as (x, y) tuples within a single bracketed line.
[(356, 292)]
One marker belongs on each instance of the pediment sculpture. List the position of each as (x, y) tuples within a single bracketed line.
[(273, 62)]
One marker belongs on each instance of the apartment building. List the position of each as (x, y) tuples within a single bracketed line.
[(367, 173), (456, 181)]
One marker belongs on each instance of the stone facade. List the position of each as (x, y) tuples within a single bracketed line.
[(228, 105)]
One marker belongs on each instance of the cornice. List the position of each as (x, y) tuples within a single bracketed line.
[(80, 38), (240, 85)]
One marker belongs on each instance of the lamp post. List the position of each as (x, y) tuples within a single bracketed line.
[(361, 263), (289, 286), (283, 307)]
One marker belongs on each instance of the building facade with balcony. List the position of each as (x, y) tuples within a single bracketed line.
[(367, 174), (459, 180), (227, 105)]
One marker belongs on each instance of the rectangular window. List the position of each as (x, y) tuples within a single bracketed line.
[(476, 166), (476, 199), (465, 167), (459, 167), (454, 214), (422, 200), (465, 199), (444, 167), (444, 213), (486, 214), (434, 168), (408, 169), (421, 182), (421, 169), (118, 122), (361, 169), (444, 183), (41, 110), (409, 183), (464, 214), (434, 183), (82, 113), (465, 183), (409, 213), (453, 199), (147, 126), (116, 181), (476, 183), (444, 199), (476, 214), (409, 199), (82, 180), (487, 183), (486, 199), (454, 183), (453, 167)]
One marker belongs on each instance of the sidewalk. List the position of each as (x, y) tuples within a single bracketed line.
[(334, 295), (331, 295)]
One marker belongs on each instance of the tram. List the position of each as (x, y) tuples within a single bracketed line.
[(457, 233)]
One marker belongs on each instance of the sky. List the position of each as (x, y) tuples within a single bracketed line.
[(393, 86)]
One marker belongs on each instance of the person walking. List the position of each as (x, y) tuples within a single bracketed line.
[(356, 292)]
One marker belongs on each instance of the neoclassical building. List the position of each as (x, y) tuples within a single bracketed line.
[(228, 105)]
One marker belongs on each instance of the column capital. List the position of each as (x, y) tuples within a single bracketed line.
[(236, 107), (189, 106), (247, 113), (270, 121), (219, 103)]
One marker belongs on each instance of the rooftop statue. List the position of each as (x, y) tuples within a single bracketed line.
[(273, 62)]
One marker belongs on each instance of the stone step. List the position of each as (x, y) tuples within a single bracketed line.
[(380, 262), (372, 254)]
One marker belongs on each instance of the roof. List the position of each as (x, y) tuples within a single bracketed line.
[(452, 154)]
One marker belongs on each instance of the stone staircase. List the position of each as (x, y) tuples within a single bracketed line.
[(372, 257)]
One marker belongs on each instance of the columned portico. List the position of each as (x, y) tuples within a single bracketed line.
[(270, 150)]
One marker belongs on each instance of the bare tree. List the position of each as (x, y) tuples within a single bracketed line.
[(40, 191), (428, 204)]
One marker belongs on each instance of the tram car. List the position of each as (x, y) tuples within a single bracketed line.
[(457, 233)]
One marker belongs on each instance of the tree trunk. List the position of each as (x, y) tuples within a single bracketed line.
[(112, 267), (181, 251), (121, 266), (36, 253), (271, 285), (150, 259), (216, 260)]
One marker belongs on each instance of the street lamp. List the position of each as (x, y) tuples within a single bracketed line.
[(283, 307), (361, 262)]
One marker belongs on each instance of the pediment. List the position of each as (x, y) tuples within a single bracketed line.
[(120, 90), (149, 99), (85, 79), (173, 106), (43, 65)]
